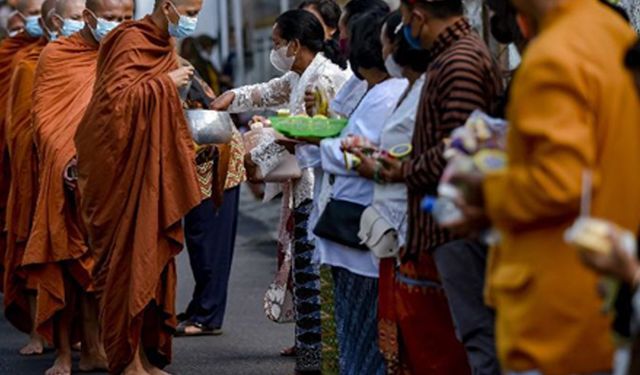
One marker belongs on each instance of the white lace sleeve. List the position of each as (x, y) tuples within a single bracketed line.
[(274, 94)]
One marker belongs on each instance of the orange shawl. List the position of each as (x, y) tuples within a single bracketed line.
[(63, 87), (8, 49), (23, 185), (137, 179)]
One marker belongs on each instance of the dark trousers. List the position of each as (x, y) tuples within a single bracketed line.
[(210, 234), (462, 266)]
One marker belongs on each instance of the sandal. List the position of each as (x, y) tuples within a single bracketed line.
[(183, 328)]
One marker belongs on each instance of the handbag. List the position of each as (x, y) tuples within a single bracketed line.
[(287, 167), (278, 300), (378, 235), (340, 223)]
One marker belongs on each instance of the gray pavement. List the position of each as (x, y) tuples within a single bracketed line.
[(250, 343)]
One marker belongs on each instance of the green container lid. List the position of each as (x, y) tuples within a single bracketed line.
[(308, 126)]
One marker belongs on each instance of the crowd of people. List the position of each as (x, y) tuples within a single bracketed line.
[(102, 183)]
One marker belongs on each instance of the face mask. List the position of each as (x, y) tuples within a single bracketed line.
[(103, 27), (71, 26), (186, 26), (413, 41), (394, 70), (32, 26), (14, 33), (280, 60)]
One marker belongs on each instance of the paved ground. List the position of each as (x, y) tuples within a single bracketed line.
[(250, 344)]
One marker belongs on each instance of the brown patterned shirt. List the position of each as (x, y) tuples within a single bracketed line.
[(461, 78)]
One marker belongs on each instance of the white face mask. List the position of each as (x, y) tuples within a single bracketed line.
[(280, 60), (13, 33), (394, 70)]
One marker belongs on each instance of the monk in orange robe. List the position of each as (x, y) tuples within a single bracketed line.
[(9, 47), (137, 179), (57, 256), (19, 297)]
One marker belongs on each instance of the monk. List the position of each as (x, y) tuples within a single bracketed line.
[(137, 179), (9, 47), (19, 300), (57, 256)]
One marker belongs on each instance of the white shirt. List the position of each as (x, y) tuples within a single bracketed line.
[(366, 121), (390, 200)]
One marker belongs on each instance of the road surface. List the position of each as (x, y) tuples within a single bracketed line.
[(250, 343)]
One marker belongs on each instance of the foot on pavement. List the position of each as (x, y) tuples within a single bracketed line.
[(34, 347), (61, 366)]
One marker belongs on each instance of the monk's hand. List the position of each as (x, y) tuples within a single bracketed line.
[(70, 176), (223, 102), (309, 102), (391, 170), (181, 76)]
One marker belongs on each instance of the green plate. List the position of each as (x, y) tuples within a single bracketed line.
[(308, 126)]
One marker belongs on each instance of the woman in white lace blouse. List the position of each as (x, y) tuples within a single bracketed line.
[(308, 64)]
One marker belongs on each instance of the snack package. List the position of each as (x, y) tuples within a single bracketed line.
[(600, 236), (480, 132)]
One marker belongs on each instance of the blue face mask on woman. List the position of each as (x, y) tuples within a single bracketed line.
[(32, 26), (186, 26), (103, 27), (71, 26)]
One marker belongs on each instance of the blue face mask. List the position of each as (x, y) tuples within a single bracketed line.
[(32, 26), (413, 41), (186, 26), (71, 26), (103, 27)]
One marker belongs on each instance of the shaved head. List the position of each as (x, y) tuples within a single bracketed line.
[(71, 9), (29, 7)]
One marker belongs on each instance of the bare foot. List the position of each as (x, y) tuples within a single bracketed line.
[(156, 371), (34, 347), (93, 363), (62, 365), (135, 368), (77, 347)]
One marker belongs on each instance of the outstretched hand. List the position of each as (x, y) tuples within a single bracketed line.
[(181, 76)]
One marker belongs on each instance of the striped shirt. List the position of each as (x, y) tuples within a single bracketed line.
[(461, 78)]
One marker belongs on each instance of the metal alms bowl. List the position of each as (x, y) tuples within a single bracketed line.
[(209, 127)]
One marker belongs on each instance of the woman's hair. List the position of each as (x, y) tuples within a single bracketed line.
[(329, 11), (366, 47), (406, 56), (356, 8), (304, 27)]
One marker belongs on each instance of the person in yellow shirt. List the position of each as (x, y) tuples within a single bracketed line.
[(573, 108)]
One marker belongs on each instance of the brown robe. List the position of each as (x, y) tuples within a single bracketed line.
[(9, 47), (56, 249), (137, 179), (23, 186)]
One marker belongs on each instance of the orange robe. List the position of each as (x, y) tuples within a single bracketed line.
[(63, 87), (23, 186), (8, 49), (137, 179)]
